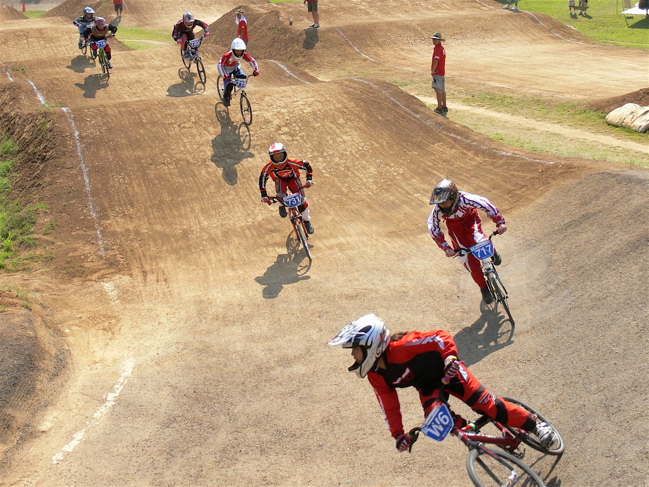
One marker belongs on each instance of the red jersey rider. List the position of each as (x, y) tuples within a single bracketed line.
[(184, 30), (230, 65), (242, 26), (98, 31), (425, 361), (83, 23), (286, 174), (460, 212)]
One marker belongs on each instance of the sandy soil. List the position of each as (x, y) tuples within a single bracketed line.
[(170, 337)]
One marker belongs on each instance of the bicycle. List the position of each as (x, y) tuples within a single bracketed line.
[(240, 81), (101, 55), (192, 55), (486, 466), (83, 43), (484, 252), (291, 203)]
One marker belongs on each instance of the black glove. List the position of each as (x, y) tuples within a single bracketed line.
[(404, 442)]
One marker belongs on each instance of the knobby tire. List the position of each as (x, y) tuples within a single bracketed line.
[(487, 471), (219, 86), (104, 63), (499, 293), (201, 70), (246, 108), (301, 235), (186, 61), (556, 449), (84, 49)]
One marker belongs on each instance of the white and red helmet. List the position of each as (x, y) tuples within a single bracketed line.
[(370, 334), (277, 148)]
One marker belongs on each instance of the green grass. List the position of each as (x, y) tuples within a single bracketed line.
[(138, 38), (16, 220), (35, 14), (604, 23)]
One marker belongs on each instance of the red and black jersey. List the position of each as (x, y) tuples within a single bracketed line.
[(288, 171), (415, 360), (180, 28)]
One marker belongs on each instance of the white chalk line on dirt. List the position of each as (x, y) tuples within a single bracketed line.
[(6, 70), (111, 398), (289, 71), (451, 134), (84, 169)]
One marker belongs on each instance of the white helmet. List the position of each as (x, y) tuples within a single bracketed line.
[(278, 148), (239, 45), (188, 18), (369, 333)]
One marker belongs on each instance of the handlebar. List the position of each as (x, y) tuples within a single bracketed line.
[(275, 199), (464, 250)]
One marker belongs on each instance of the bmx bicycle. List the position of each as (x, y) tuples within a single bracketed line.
[(291, 203), (240, 81), (101, 55), (486, 466), (193, 55), (83, 43), (484, 251)]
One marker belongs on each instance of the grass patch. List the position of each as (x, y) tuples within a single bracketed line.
[(139, 39), (16, 220), (35, 14), (604, 21)]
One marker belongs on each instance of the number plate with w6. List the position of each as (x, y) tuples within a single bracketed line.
[(439, 423)]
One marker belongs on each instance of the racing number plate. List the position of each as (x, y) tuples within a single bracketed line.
[(439, 423)]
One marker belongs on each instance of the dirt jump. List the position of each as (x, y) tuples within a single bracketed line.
[(170, 335)]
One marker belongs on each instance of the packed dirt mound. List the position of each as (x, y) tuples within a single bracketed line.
[(9, 13), (640, 97)]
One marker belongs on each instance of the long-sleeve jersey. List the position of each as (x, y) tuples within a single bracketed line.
[(83, 23), (180, 28), (95, 35), (289, 171), (229, 63), (415, 360), (464, 224), (242, 28)]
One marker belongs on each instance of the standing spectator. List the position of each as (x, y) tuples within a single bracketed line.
[(572, 8), (242, 26), (438, 72), (583, 6), (514, 8), (312, 6), (119, 6)]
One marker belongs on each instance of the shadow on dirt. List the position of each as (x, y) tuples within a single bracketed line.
[(287, 269), (92, 84), (188, 86), (80, 63), (491, 332), (311, 38), (231, 146)]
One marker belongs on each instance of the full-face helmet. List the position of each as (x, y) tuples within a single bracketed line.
[(238, 48), (101, 24), (188, 19), (88, 13), (277, 153), (370, 334), (445, 191)]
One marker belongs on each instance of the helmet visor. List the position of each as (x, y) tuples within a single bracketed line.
[(440, 195)]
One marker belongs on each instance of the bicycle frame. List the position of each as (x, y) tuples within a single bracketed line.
[(291, 203), (192, 48)]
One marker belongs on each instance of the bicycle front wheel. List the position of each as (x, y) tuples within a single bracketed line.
[(186, 61), (556, 448), (499, 292), (201, 70), (84, 49), (489, 468), (301, 235), (246, 109), (219, 86)]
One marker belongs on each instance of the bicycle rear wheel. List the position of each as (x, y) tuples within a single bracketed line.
[(556, 448), (104, 63), (201, 70), (186, 61), (496, 468), (246, 109), (499, 292), (219, 86), (301, 235), (84, 49)]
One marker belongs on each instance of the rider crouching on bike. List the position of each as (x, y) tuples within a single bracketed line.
[(184, 30), (98, 31), (83, 23), (230, 65), (286, 174), (460, 212), (425, 361)]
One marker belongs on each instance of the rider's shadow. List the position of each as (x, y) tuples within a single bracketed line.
[(231, 146), (92, 84), (189, 84), (80, 63), (285, 270), (311, 38), (491, 332)]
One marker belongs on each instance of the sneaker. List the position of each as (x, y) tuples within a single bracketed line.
[(186, 54), (316, 26), (515, 9), (282, 211), (545, 434), (439, 110), (309, 227), (110, 64), (496, 259), (506, 7), (444, 110), (226, 101), (486, 296)]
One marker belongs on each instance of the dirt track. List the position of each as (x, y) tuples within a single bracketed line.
[(194, 343)]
